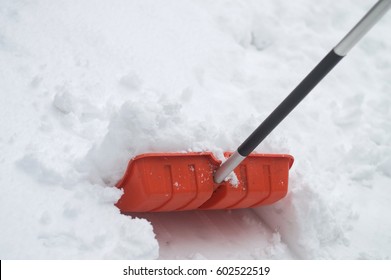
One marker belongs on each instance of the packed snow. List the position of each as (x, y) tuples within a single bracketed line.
[(87, 85)]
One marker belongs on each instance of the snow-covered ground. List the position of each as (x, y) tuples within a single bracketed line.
[(86, 85)]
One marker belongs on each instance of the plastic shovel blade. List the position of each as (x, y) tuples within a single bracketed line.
[(184, 181)]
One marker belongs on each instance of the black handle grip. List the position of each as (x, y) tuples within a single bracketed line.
[(289, 103)]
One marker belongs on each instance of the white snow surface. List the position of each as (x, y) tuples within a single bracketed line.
[(87, 85)]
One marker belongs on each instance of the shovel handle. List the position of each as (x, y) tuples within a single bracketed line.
[(302, 90)]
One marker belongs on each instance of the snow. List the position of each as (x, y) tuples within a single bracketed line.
[(87, 85)]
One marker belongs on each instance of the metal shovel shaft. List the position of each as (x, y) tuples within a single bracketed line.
[(302, 90)]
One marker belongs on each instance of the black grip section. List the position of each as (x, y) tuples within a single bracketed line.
[(289, 103)]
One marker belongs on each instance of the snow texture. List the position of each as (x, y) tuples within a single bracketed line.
[(87, 85)]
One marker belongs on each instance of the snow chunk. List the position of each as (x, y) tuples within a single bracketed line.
[(63, 102)]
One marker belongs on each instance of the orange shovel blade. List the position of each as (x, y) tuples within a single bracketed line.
[(184, 181)]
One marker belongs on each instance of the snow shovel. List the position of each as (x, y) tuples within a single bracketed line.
[(187, 181)]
